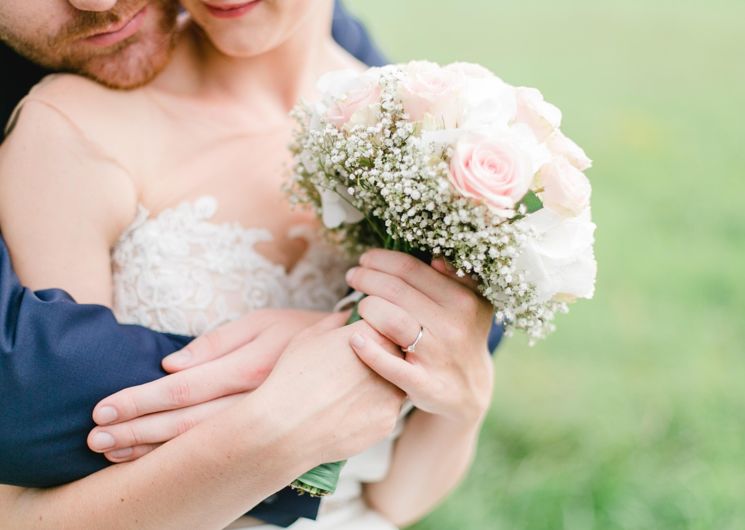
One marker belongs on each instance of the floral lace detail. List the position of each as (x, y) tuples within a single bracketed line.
[(179, 272)]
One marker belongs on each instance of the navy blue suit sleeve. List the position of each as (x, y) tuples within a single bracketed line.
[(353, 37), (57, 360)]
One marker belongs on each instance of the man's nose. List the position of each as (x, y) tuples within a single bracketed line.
[(93, 5)]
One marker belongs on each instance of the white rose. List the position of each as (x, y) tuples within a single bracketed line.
[(542, 117), (336, 207), (559, 144), (560, 261), (566, 189), (473, 70), (487, 102)]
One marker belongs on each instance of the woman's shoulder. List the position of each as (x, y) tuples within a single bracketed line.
[(66, 103), (341, 59), (74, 96)]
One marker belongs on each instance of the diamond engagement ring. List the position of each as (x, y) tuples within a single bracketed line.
[(411, 348)]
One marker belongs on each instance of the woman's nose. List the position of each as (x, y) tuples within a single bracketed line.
[(93, 5)]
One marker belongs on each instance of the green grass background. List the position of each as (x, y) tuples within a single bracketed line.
[(632, 415)]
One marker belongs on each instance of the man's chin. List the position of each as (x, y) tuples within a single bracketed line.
[(135, 65)]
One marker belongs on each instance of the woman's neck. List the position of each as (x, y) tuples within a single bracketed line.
[(271, 82)]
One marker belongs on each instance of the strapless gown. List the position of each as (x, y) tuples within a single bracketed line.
[(180, 272)]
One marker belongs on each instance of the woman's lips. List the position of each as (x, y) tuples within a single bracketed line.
[(118, 34), (231, 10)]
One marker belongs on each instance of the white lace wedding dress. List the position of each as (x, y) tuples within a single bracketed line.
[(180, 272)]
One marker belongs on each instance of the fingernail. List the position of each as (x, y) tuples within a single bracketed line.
[(105, 415), (102, 441), (180, 358), (121, 453), (350, 273), (357, 341)]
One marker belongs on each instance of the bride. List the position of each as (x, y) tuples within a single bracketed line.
[(166, 204)]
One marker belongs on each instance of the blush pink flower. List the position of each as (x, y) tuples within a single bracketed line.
[(542, 117), (427, 90), (495, 171), (566, 189), (560, 145), (356, 105)]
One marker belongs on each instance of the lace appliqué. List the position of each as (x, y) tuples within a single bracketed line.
[(179, 272)]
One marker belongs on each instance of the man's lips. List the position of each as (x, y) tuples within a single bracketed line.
[(231, 10), (121, 31)]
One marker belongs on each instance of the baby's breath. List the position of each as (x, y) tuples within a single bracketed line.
[(401, 184)]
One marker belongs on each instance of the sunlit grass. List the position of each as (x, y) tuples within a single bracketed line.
[(632, 416)]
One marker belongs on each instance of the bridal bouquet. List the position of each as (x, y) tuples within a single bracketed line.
[(451, 161)]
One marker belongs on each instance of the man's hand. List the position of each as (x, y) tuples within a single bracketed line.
[(325, 398), (213, 372)]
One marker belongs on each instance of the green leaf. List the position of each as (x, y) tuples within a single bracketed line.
[(532, 202)]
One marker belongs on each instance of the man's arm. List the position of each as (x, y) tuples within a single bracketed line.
[(352, 35), (57, 359)]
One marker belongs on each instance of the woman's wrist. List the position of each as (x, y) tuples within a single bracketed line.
[(454, 425)]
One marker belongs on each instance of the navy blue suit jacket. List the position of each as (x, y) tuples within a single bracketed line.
[(59, 358)]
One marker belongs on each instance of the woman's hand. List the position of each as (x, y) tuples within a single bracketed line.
[(450, 373)]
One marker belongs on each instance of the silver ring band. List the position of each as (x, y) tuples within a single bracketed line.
[(411, 348)]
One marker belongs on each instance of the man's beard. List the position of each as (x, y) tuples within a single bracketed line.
[(128, 64)]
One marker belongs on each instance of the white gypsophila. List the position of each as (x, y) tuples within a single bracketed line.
[(395, 171)]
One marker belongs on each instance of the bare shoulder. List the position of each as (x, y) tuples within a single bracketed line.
[(341, 59), (60, 153), (80, 99), (104, 117)]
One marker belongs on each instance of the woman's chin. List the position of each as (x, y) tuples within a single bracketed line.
[(242, 48)]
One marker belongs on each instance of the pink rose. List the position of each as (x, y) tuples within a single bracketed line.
[(356, 105), (495, 171), (542, 117), (428, 89), (566, 190), (560, 145)]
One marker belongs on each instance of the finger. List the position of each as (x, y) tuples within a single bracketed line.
[(390, 320), (443, 267), (370, 333), (387, 365), (219, 342), (130, 453), (243, 370), (413, 271), (392, 288), (154, 428)]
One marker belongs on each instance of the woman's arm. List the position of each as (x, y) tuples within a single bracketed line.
[(204, 479), (448, 377), (63, 204), (430, 458)]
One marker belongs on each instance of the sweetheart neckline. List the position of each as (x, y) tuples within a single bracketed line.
[(204, 208)]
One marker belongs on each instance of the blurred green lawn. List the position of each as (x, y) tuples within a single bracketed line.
[(632, 415)]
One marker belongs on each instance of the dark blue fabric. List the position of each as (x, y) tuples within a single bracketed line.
[(353, 37), (57, 360)]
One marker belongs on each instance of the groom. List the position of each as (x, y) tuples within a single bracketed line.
[(52, 349)]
